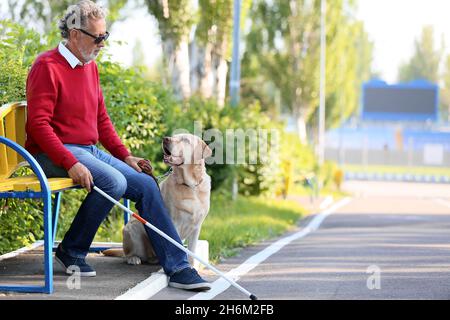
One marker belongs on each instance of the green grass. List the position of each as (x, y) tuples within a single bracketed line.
[(233, 225), (398, 170)]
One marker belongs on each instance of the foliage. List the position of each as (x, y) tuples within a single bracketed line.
[(175, 20), (143, 112), (21, 222), (132, 104), (16, 45), (232, 225), (445, 92), (298, 163), (45, 14), (281, 62), (425, 61), (264, 177)]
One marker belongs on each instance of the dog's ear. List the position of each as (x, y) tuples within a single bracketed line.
[(207, 152), (201, 151)]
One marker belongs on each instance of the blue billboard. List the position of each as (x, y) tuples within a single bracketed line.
[(413, 101)]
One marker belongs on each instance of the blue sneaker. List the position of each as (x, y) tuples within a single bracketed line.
[(72, 265), (189, 279)]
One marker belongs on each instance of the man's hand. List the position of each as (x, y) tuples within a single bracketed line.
[(81, 175), (133, 162)]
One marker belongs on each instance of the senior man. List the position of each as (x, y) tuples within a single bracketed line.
[(66, 119)]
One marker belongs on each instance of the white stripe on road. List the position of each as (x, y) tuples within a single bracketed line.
[(443, 202), (326, 203), (147, 288), (221, 285)]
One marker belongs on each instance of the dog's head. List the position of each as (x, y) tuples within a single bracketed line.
[(184, 149)]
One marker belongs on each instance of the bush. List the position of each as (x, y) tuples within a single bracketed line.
[(20, 221), (143, 112)]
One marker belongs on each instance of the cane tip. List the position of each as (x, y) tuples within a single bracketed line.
[(253, 297)]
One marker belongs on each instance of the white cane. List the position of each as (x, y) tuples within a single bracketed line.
[(165, 236)]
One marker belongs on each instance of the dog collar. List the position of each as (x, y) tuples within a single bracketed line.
[(193, 187)]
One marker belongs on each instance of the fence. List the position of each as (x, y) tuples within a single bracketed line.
[(388, 147)]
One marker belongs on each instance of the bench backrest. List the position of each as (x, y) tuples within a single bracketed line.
[(12, 126)]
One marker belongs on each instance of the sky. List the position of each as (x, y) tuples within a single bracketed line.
[(139, 25), (393, 25)]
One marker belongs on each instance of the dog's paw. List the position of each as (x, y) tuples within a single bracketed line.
[(134, 260)]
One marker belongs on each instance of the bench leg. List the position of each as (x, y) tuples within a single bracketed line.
[(126, 215), (48, 256), (55, 214), (48, 244)]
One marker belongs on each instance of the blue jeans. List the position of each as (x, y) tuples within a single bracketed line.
[(117, 179)]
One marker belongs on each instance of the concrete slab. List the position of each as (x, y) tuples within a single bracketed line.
[(114, 277)]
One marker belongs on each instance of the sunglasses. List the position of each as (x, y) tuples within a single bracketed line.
[(97, 39)]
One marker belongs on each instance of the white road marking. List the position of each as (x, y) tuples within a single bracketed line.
[(221, 285), (326, 203), (443, 202)]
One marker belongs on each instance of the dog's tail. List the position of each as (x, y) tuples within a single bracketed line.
[(114, 253)]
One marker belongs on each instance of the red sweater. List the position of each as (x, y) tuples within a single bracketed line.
[(66, 105)]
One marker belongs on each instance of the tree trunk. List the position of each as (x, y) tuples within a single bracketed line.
[(301, 125), (222, 72), (196, 54), (209, 70), (177, 59), (207, 79)]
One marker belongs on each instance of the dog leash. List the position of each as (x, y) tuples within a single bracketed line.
[(168, 173), (148, 169)]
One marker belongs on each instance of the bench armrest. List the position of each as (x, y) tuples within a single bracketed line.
[(31, 160)]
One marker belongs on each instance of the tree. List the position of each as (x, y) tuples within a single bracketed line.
[(349, 58), (281, 64), (281, 47), (445, 92), (44, 14), (175, 20), (205, 56), (211, 47), (138, 54), (426, 59)]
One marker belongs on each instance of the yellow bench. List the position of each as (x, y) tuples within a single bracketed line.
[(13, 156)]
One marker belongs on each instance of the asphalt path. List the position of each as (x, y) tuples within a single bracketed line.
[(390, 241)]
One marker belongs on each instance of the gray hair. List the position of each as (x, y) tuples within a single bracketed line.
[(77, 16)]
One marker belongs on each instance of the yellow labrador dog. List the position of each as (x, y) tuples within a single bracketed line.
[(186, 194)]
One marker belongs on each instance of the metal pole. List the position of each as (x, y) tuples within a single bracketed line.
[(323, 44), (235, 80), (235, 77)]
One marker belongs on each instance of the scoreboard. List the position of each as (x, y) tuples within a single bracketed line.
[(414, 101)]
